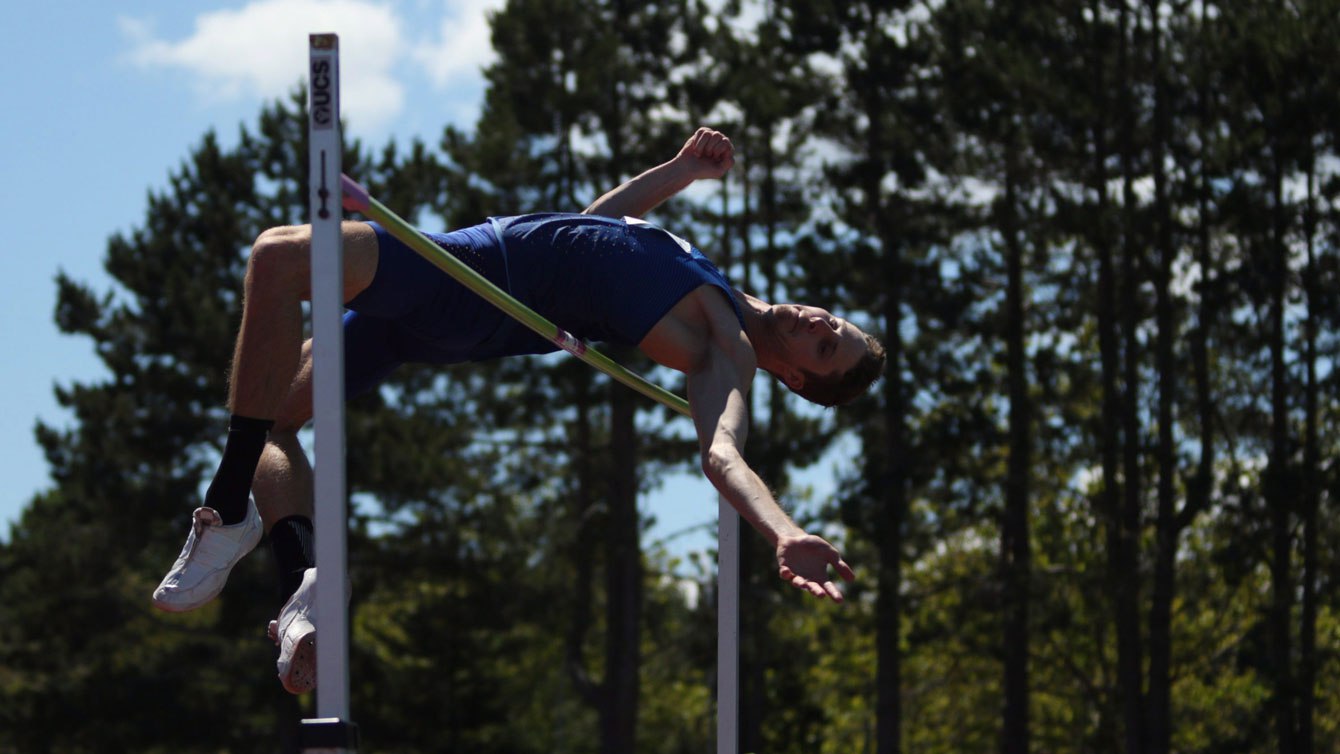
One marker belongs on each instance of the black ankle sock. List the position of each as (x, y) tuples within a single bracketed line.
[(228, 492), (291, 541)]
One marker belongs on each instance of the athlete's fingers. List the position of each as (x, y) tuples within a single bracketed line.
[(844, 570), (709, 143), (701, 138), (833, 592), (717, 145), (693, 145)]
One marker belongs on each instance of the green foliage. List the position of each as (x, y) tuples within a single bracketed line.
[(890, 153)]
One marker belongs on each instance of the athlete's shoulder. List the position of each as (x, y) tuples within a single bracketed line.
[(699, 322)]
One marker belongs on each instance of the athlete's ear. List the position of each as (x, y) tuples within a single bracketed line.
[(792, 377)]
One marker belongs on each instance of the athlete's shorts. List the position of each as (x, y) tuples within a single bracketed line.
[(414, 312)]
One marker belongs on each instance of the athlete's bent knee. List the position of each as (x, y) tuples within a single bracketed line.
[(280, 257)]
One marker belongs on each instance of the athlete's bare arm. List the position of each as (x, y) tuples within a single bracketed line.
[(707, 154), (718, 386)]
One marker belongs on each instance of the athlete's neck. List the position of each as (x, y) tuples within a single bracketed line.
[(755, 312)]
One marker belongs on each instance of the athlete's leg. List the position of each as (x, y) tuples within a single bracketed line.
[(268, 347), (269, 343), (268, 351), (283, 490), (282, 486)]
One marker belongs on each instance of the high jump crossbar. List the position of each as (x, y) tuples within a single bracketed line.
[(327, 243)]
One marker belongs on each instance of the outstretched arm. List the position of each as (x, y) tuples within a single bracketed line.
[(707, 154), (717, 391)]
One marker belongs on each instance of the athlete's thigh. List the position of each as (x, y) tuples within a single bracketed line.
[(360, 257), (370, 356)]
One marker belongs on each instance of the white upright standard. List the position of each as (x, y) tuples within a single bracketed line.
[(332, 731), (728, 628)]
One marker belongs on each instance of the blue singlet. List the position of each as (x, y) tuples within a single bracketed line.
[(599, 278)]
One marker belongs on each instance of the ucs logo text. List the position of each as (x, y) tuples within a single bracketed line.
[(323, 95)]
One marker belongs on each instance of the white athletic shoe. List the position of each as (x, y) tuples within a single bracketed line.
[(295, 633), (211, 551)]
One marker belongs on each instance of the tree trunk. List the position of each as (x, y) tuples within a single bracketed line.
[(623, 578), (1109, 441), (1014, 536), (1166, 520), (889, 530), (768, 459), (1123, 540), (1277, 481), (1200, 487), (623, 562), (1307, 633), (582, 554), (893, 485)]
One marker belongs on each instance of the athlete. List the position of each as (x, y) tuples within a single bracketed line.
[(601, 275)]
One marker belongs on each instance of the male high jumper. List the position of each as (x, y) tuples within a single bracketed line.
[(602, 275)]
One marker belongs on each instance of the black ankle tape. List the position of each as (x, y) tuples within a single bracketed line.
[(239, 423), (292, 540), (231, 487)]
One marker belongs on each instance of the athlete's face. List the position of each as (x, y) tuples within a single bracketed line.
[(815, 341)]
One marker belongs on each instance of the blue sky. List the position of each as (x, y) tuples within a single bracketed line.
[(105, 99)]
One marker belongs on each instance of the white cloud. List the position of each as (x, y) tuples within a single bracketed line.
[(464, 44), (260, 50)]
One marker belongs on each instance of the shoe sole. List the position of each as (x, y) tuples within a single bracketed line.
[(163, 602), (301, 676), (169, 607)]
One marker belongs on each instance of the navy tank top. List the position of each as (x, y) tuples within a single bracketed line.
[(599, 278)]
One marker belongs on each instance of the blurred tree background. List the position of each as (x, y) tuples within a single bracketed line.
[(1092, 504)]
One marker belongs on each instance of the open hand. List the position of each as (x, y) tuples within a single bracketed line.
[(803, 562), (708, 153)]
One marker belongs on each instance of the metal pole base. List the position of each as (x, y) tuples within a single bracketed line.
[(327, 735)]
